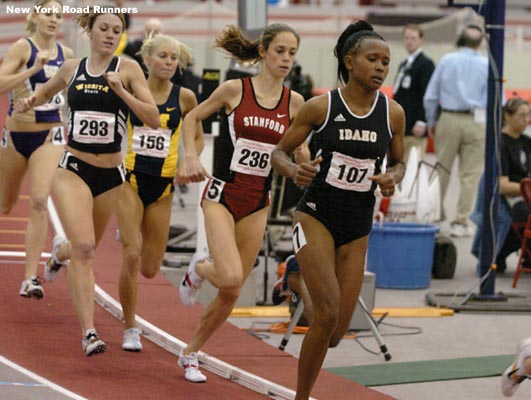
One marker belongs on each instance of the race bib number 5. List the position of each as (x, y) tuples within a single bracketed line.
[(350, 173), (214, 189), (151, 142), (251, 157), (93, 127)]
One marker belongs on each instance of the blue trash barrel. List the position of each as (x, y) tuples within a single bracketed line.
[(401, 254)]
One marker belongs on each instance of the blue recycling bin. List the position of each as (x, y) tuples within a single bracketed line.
[(401, 254)]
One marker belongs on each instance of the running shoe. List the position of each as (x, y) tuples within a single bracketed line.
[(191, 283), (32, 287), (190, 364), (515, 373), (131, 340), (92, 344), (53, 266), (281, 291)]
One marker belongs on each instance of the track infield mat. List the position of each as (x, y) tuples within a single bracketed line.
[(425, 371)]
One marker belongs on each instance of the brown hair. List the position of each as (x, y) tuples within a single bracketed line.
[(414, 27), (30, 25), (512, 105), (86, 20), (234, 42)]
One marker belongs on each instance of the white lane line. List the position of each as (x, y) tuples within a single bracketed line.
[(40, 379), (174, 345)]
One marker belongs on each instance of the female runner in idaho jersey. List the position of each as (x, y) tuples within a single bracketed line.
[(235, 203), (151, 163), (102, 89), (354, 128), (32, 142)]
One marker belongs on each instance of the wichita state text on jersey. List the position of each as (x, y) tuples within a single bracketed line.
[(97, 116)]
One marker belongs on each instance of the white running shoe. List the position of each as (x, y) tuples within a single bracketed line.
[(458, 230), (131, 340), (191, 283), (515, 373), (92, 344), (190, 364), (32, 287), (53, 266)]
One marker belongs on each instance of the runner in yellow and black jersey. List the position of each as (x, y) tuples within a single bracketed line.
[(151, 164)]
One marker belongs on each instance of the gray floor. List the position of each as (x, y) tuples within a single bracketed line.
[(465, 334)]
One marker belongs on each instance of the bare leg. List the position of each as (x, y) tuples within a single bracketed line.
[(129, 214), (42, 166), (317, 264), (13, 166), (296, 283), (84, 226), (234, 249)]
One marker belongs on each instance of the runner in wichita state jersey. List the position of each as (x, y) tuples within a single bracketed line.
[(145, 204), (242, 170), (88, 183)]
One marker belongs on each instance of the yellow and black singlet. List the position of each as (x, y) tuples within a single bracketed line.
[(155, 151)]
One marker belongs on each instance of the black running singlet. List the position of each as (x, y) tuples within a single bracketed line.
[(97, 117)]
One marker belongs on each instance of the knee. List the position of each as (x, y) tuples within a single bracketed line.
[(132, 257), (83, 249), (39, 203), (326, 316), (231, 281)]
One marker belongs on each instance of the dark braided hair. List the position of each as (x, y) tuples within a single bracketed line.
[(349, 40)]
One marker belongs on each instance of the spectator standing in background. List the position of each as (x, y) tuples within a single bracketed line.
[(302, 84), (459, 86), (412, 78), (153, 26)]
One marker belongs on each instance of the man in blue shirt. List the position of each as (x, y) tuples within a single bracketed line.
[(459, 87)]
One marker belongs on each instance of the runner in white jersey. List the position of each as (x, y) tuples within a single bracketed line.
[(31, 143)]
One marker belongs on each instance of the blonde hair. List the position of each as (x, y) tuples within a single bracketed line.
[(184, 54), (86, 20), (30, 25)]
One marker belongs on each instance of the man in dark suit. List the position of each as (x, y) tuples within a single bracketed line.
[(413, 76)]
